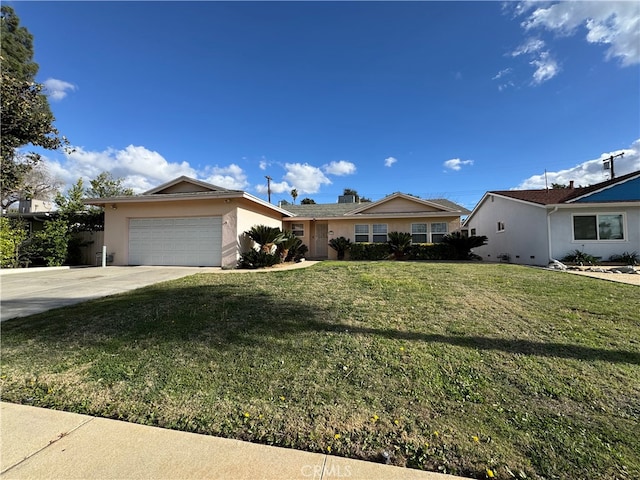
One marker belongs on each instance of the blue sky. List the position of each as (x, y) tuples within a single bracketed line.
[(436, 99)]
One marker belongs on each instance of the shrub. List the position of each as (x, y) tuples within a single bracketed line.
[(340, 245), (578, 256), (13, 236), (265, 236), (430, 251), (297, 251), (628, 258), (369, 251), (51, 243), (258, 259), (461, 246), (399, 244)]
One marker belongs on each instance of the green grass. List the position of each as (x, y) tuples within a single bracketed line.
[(447, 367)]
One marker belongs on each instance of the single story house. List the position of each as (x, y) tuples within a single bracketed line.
[(535, 227), (193, 223), (183, 222), (428, 221)]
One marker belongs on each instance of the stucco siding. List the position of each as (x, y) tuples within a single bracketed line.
[(400, 205), (562, 238), (524, 238)]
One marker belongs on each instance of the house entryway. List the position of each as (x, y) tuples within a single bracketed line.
[(321, 240)]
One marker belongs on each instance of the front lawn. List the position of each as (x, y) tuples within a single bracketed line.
[(470, 369)]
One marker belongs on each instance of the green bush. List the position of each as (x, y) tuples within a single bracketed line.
[(578, 256), (340, 245), (13, 235), (369, 251), (258, 259), (399, 244), (430, 251), (51, 243), (461, 246), (628, 258)]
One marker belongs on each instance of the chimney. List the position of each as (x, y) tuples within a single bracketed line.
[(570, 183)]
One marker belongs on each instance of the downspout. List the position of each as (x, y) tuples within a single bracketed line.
[(555, 209)]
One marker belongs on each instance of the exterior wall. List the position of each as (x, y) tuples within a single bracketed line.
[(524, 238), (116, 235), (400, 205), (339, 227), (248, 215), (562, 232)]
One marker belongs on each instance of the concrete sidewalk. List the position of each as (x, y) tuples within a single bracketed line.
[(39, 443)]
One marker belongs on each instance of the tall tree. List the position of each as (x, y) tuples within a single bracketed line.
[(294, 195), (104, 185), (26, 116)]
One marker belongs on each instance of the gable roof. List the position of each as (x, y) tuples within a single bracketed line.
[(556, 196), (187, 189), (359, 210), (198, 184)]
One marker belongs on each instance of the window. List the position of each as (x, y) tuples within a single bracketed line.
[(379, 232), (473, 232), (598, 227), (362, 233), (500, 226), (438, 231), (419, 233), (297, 229)]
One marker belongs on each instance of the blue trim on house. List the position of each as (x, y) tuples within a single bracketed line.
[(628, 191)]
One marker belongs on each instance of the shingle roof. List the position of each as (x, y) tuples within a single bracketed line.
[(560, 195), (324, 210)]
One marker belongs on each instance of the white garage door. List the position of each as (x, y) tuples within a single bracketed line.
[(175, 241)]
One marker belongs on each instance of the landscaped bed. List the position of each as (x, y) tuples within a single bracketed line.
[(472, 369)]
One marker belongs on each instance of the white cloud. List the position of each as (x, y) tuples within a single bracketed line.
[(57, 89), (532, 45), (546, 68), (502, 73), (589, 172), (339, 168), (305, 178), (389, 161), (457, 164), (263, 164), (612, 23), (276, 187), (232, 177)]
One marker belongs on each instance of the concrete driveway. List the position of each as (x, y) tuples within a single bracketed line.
[(25, 292)]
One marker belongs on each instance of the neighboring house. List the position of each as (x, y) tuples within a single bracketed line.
[(183, 222), (537, 226), (428, 221)]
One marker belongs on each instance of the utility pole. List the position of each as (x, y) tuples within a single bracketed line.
[(608, 164), (268, 186)]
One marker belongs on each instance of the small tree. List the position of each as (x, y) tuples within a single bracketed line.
[(340, 245), (400, 244), (461, 246), (307, 201), (266, 237), (13, 235)]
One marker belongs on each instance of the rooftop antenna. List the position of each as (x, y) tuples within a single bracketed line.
[(268, 187), (546, 183), (608, 164)]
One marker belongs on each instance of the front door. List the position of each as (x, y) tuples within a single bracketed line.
[(322, 238)]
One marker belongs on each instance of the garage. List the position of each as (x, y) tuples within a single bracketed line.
[(189, 241)]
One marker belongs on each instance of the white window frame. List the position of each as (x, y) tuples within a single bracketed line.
[(379, 233), (432, 232), (500, 227), (297, 229), (362, 233), (598, 239), (415, 233)]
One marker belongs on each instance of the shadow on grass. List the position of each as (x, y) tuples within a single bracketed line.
[(224, 316)]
